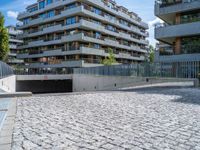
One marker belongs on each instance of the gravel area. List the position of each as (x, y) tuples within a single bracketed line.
[(135, 119)]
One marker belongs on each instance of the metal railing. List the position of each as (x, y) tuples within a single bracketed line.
[(164, 69), (5, 70), (175, 70)]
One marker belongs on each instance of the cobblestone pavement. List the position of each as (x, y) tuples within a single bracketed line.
[(151, 118)]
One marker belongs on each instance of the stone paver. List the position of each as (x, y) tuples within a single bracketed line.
[(143, 119)]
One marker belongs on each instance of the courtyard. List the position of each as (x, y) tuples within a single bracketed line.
[(134, 119)]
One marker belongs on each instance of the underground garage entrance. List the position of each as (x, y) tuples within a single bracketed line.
[(44, 86)]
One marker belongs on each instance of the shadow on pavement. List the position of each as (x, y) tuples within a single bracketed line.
[(188, 94)]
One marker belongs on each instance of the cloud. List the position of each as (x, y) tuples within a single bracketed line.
[(154, 22), (12, 14), (152, 25)]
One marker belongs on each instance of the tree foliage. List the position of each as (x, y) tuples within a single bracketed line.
[(151, 54), (110, 60), (4, 39)]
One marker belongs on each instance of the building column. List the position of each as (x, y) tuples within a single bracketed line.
[(178, 45), (178, 18), (178, 39)]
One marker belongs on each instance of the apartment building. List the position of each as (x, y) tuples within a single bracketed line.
[(181, 31), (63, 34), (13, 42)]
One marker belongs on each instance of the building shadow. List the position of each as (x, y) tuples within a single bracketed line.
[(188, 95)]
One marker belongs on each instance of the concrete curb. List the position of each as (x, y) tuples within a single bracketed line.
[(18, 94), (8, 127)]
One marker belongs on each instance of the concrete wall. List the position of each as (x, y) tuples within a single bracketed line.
[(97, 83), (8, 84)]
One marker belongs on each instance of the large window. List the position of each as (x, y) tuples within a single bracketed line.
[(98, 35), (192, 17), (190, 45), (50, 14), (49, 2), (71, 20), (26, 21), (97, 11), (41, 4)]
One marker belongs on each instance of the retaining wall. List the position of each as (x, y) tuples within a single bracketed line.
[(97, 83), (8, 84)]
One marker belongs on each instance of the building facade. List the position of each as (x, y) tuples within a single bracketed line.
[(181, 31), (64, 34), (13, 42)]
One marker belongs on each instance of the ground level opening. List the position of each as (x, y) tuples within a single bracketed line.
[(45, 86)]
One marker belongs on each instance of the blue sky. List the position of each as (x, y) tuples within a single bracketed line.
[(144, 8)]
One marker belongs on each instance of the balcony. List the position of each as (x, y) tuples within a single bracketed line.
[(179, 58), (166, 10), (55, 4), (168, 33), (116, 12), (84, 62), (55, 64), (63, 14), (15, 61)]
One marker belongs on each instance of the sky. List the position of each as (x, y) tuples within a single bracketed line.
[(144, 8)]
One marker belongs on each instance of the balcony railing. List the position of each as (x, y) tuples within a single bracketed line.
[(166, 3), (185, 49)]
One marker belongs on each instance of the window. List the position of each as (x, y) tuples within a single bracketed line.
[(123, 22), (32, 9), (111, 28), (26, 21), (43, 16), (97, 11), (70, 6), (50, 14), (97, 46), (71, 20), (49, 2), (98, 35), (41, 4)]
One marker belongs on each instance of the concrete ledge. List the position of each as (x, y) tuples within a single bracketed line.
[(18, 94), (87, 83)]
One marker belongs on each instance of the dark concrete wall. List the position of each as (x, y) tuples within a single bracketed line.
[(46, 86)]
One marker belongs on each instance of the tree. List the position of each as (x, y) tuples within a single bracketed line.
[(110, 60), (151, 54), (4, 39)]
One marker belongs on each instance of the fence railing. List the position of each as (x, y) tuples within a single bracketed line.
[(5, 70), (175, 70)]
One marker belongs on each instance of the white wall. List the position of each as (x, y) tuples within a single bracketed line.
[(8, 84), (95, 83)]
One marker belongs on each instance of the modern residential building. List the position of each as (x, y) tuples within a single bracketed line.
[(13, 42), (181, 31), (163, 49), (63, 34)]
